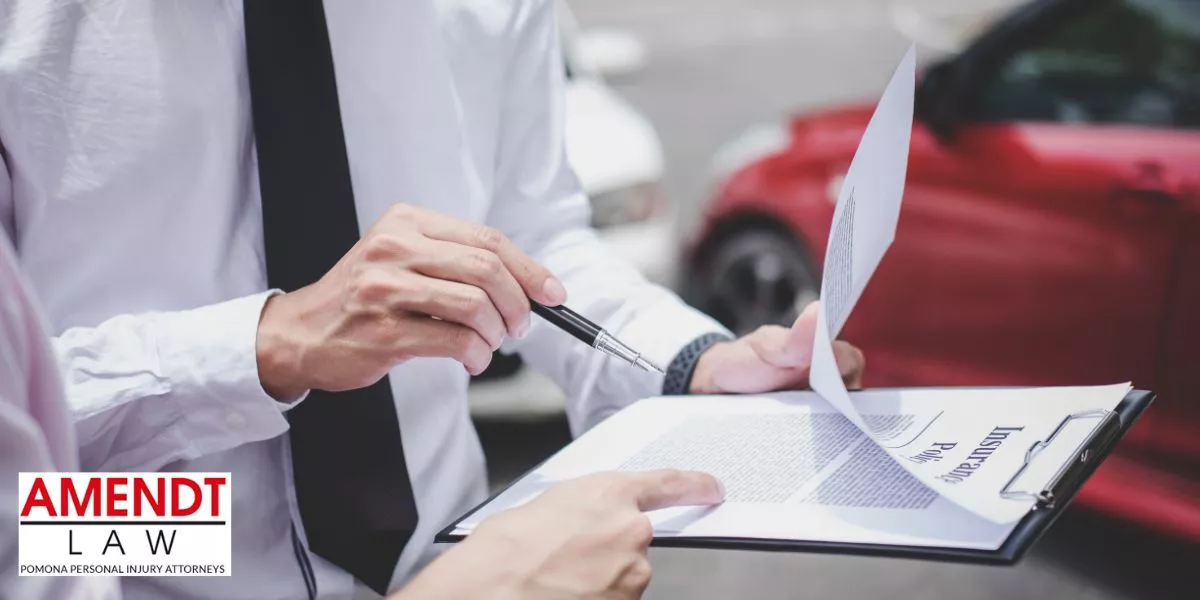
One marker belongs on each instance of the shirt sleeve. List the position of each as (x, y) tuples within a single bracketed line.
[(540, 206), (146, 390), (150, 389)]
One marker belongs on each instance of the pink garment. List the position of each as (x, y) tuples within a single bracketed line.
[(35, 431)]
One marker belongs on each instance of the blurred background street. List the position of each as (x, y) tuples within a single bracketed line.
[(704, 73), (715, 68)]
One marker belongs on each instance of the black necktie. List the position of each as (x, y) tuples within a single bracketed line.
[(352, 484)]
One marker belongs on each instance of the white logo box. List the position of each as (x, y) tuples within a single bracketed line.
[(129, 524)]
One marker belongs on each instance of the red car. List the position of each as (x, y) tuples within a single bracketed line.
[(1050, 231)]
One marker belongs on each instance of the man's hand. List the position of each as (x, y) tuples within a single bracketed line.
[(582, 539), (772, 358), (417, 284)]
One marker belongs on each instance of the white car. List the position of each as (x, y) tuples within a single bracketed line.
[(617, 155), (615, 150)]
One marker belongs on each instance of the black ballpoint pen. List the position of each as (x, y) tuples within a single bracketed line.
[(591, 334)]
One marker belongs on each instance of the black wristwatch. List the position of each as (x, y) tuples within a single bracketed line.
[(679, 373)]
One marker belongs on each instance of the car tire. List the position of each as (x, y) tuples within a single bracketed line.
[(753, 276)]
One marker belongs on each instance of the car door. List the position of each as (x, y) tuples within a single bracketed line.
[(1040, 237), (1177, 433)]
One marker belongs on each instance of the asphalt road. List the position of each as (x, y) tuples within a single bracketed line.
[(716, 67)]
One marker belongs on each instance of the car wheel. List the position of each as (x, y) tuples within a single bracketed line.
[(753, 277)]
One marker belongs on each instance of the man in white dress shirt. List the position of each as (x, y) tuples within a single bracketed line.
[(591, 526), (131, 186)]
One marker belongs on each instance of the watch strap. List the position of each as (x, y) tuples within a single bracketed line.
[(679, 373)]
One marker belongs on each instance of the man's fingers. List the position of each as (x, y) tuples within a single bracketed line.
[(431, 337), (668, 487), (788, 352), (403, 291), (796, 349), (454, 302), (482, 269), (537, 281), (769, 343), (787, 348), (851, 363)]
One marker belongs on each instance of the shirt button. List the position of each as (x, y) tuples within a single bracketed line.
[(235, 420)]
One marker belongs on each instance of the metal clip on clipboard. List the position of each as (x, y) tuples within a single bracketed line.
[(1067, 473)]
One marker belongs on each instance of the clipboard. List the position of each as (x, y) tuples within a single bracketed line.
[(1050, 501)]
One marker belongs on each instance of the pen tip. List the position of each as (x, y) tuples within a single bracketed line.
[(649, 366)]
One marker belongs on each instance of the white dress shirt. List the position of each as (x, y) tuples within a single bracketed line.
[(35, 432), (130, 188)]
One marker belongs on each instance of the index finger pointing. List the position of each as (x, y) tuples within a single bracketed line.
[(653, 490), (537, 281)]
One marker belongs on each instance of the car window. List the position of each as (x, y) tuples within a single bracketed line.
[(1116, 61)]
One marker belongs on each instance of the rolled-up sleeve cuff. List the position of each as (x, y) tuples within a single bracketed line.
[(208, 355)]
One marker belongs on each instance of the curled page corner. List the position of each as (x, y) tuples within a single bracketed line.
[(864, 225), (825, 377)]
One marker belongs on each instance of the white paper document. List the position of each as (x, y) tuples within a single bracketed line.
[(794, 467), (864, 224), (913, 467)]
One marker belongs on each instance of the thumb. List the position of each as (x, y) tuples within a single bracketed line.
[(796, 350), (652, 490)]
